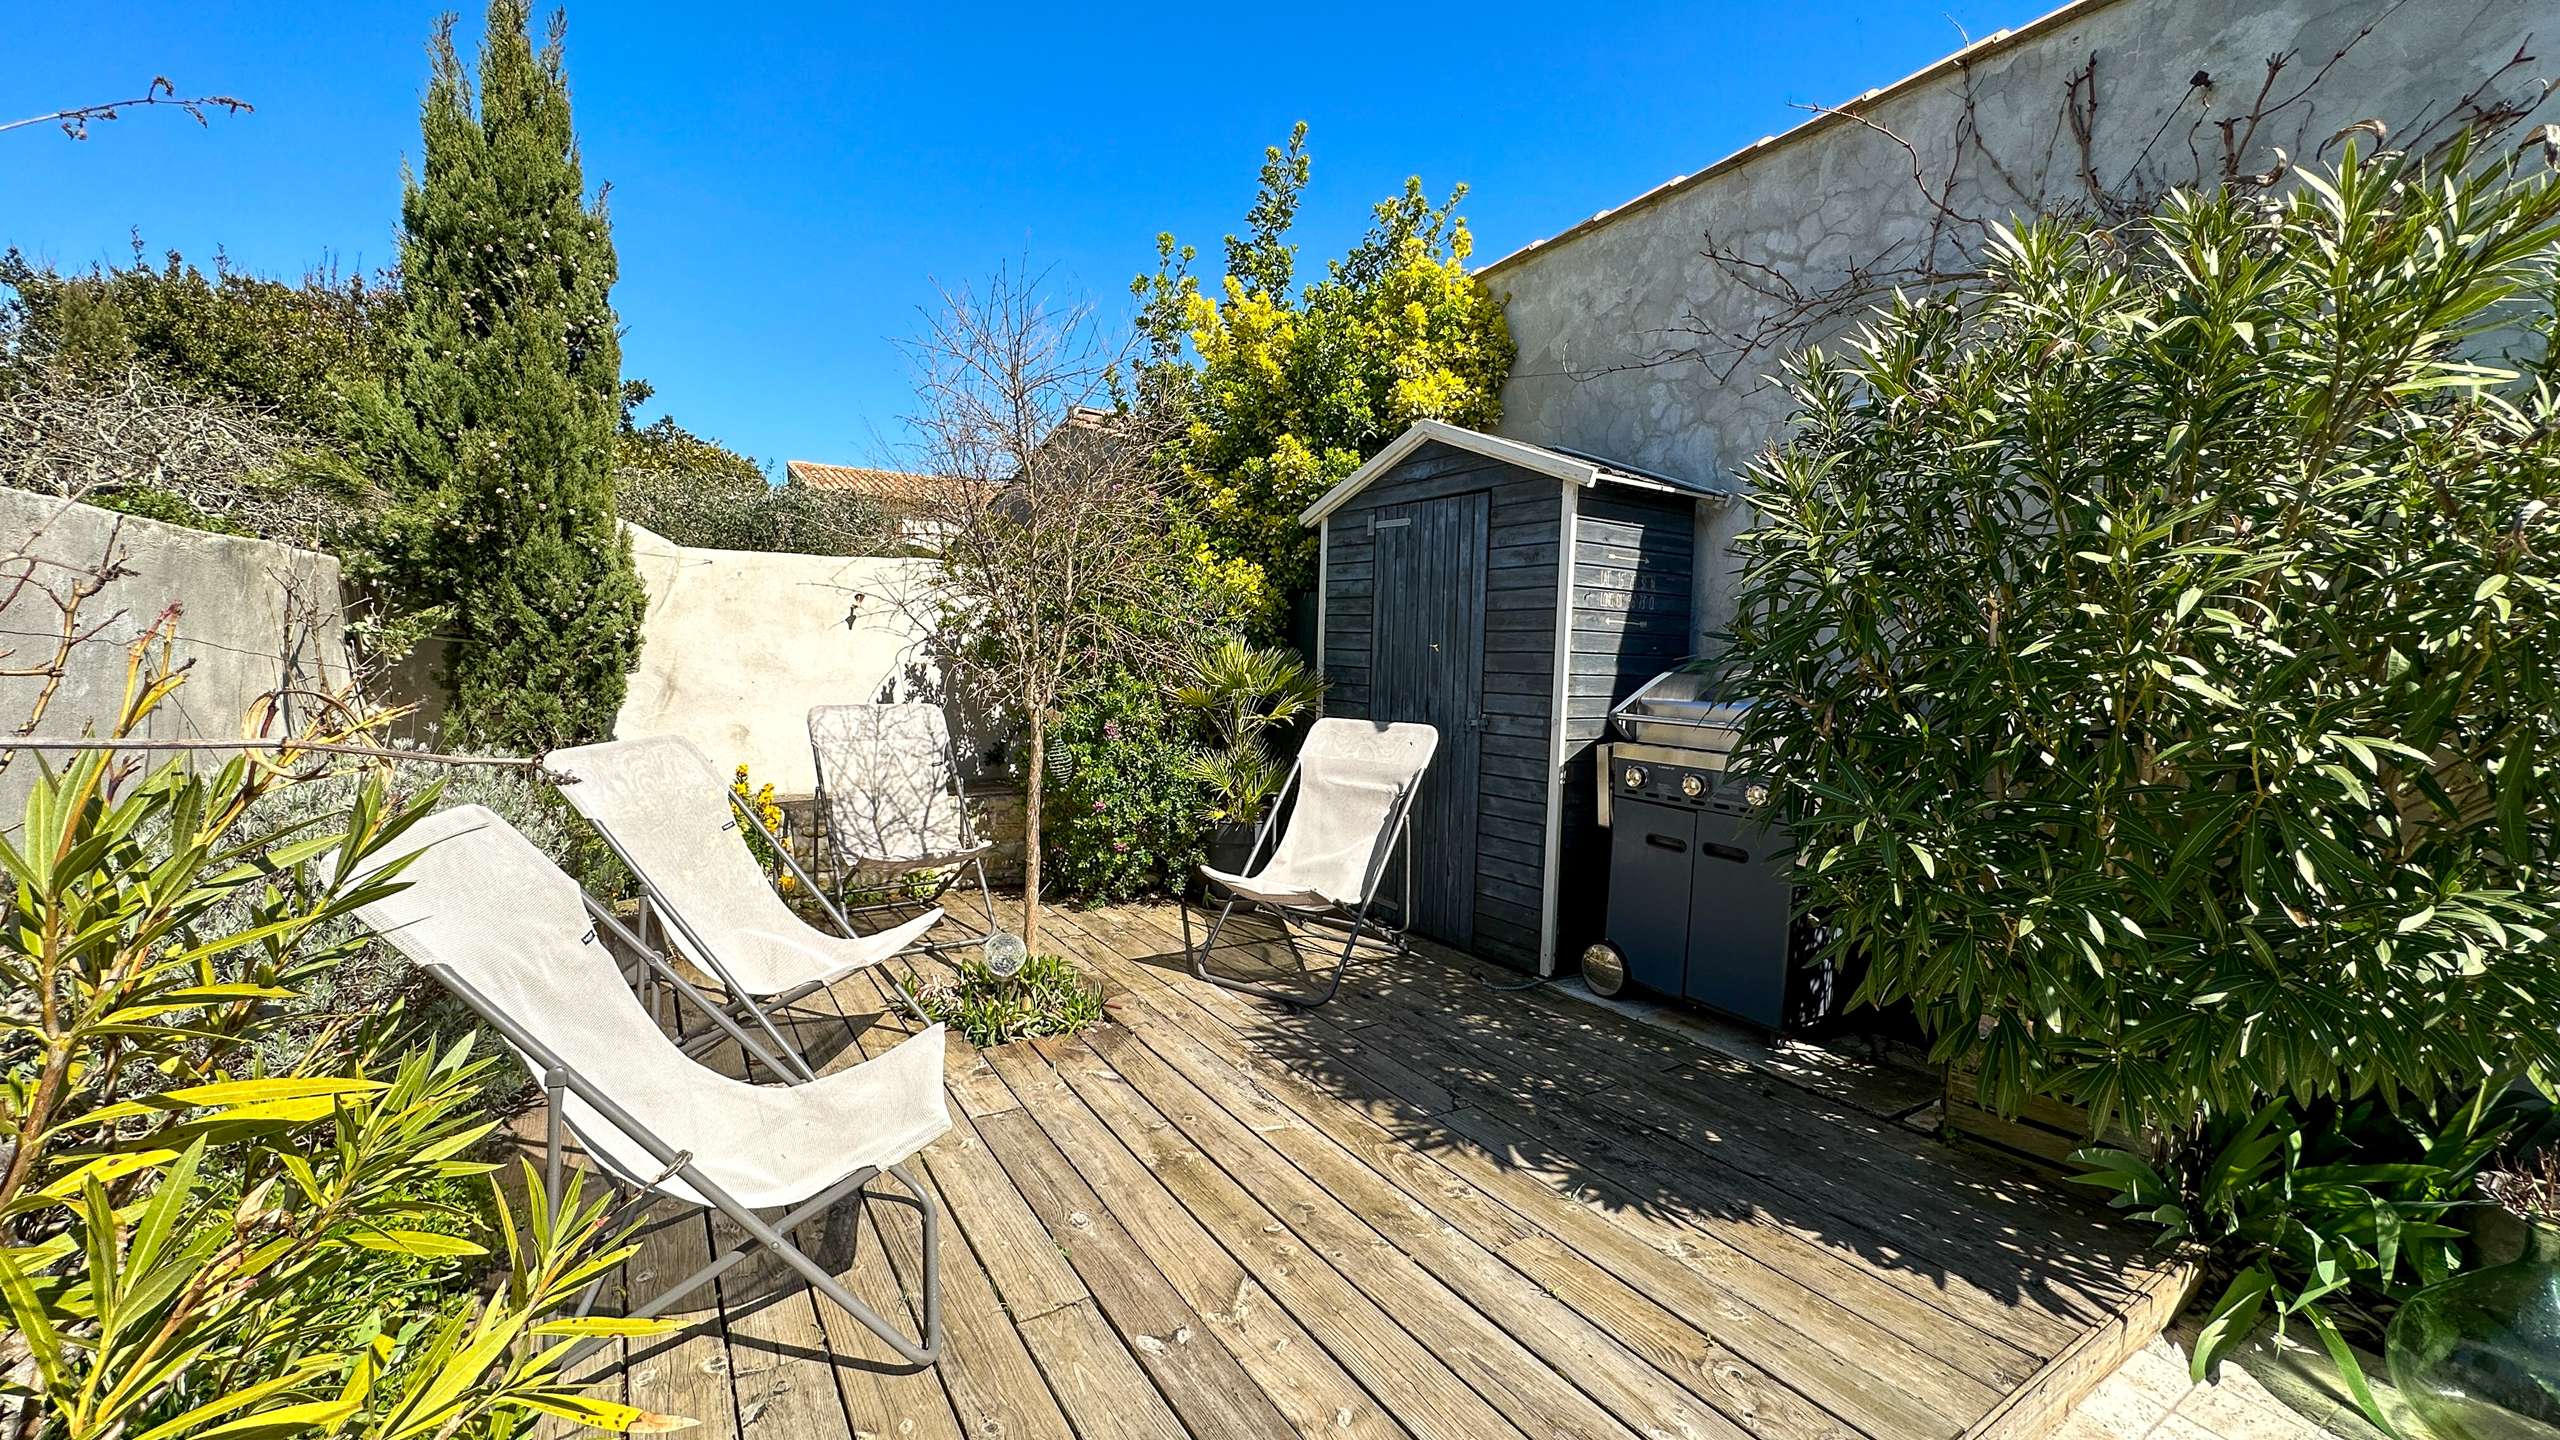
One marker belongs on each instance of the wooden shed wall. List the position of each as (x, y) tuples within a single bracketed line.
[(1519, 665), (1634, 559)]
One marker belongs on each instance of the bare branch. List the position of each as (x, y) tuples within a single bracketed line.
[(1047, 507), (76, 120)]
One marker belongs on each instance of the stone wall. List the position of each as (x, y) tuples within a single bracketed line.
[(252, 618), (1627, 327)]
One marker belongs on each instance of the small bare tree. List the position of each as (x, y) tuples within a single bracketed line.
[(1046, 508)]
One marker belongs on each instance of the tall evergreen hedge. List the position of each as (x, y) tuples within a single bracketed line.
[(509, 373)]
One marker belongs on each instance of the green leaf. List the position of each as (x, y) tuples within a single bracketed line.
[(2231, 1321), (420, 1244), (2343, 1355), (34, 1321)]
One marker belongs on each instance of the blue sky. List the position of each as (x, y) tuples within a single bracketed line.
[(789, 180)]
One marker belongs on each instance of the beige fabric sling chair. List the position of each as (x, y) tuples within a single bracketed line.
[(663, 809), (494, 921), (1353, 785)]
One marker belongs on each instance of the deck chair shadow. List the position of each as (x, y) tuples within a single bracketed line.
[(1349, 800), (494, 921), (663, 809), (891, 803)]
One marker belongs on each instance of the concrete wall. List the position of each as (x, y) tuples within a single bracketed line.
[(254, 617), (1604, 312), (739, 644)]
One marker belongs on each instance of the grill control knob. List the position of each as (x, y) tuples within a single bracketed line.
[(1634, 776), (1756, 796), (1693, 786)]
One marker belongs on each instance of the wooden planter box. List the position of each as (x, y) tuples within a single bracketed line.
[(2044, 1131)]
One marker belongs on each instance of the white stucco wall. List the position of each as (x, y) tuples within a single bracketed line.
[(737, 645), (1598, 311)]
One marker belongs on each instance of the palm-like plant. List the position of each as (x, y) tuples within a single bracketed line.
[(1244, 692)]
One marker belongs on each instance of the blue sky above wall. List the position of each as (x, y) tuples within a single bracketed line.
[(790, 180)]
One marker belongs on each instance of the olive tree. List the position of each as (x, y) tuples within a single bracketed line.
[(1046, 511), (2157, 650)]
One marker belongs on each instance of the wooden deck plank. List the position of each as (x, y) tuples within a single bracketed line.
[(1738, 1386), (1452, 1034), (1378, 1347), (1673, 1344), (1558, 1359), (880, 1392), (2073, 1274), (1097, 1380), (1429, 1211), (1292, 1368), (1823, 1296), (687, 1372), (996, 1388), (1197, 1376)]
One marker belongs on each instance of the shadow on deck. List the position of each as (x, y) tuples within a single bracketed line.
[(1436, 1208)]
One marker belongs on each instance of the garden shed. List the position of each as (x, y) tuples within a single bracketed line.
[(1508, 594)]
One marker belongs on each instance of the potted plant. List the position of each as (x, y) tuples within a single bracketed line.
[(1242, 693)]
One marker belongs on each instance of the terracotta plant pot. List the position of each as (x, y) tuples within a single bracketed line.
[(2500, 1236)]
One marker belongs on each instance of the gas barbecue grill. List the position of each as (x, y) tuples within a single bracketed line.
[(1697, 905)]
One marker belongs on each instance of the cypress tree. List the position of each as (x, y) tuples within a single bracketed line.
[(509, 374)]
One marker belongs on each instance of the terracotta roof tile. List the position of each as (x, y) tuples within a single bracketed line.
[(894, 486)]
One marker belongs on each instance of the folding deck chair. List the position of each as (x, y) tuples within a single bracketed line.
[(1354, 783), (493, 920), (661, 807), (890, 800)]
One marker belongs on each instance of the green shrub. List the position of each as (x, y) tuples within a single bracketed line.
[(2322, 1216), (1047, 996), (1278, 395), (1242, 693), (210, 1217), (310, 355), (1123, 816), (2155, 648), (742, 512)]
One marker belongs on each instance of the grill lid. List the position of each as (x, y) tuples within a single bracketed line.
[(1679, 707)]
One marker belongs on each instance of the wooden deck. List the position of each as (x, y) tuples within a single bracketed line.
[(1435, 1209)]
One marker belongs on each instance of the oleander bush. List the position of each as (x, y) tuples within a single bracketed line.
[(2156, 648), (216, 1217), (2155, 653)]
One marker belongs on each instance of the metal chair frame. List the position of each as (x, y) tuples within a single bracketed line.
[(828, 843), (744, 1008), (1355, 922), (560, 1080)]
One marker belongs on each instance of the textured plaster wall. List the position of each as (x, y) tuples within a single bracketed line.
[(737, 645), (1599, 315), (253, 618)]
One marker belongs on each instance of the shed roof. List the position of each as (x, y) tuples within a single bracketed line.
[(1570, 466)]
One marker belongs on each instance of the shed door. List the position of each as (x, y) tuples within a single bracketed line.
[(1427, 664)]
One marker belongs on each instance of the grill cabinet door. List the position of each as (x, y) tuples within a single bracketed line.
[(1738, 921), (1650, 850)]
